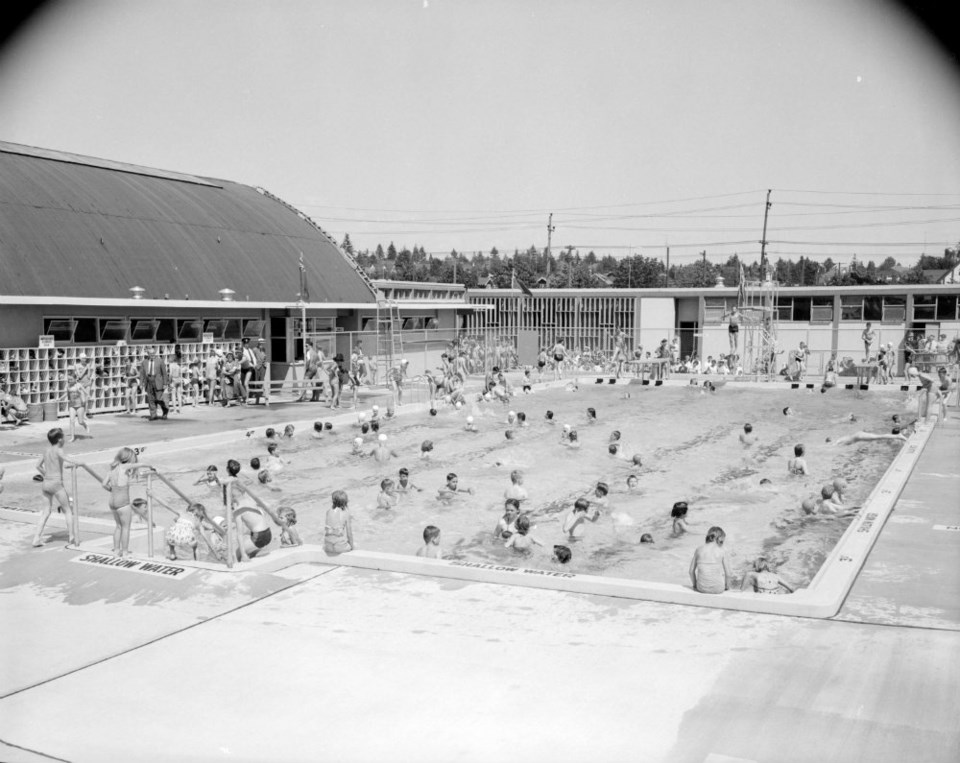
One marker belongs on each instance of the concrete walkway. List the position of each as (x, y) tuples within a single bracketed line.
[(319, 662)]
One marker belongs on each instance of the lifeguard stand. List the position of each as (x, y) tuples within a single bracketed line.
[(759, 311), (389, 338)]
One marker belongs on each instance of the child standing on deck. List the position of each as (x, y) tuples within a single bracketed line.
[(50, 467), (77, 400), (118, 483), (176, 383), (132, 375)]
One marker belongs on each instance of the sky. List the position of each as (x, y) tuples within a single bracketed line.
[(463, 124)]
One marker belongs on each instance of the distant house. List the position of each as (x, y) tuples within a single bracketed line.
[(486, 282), (888, 275), (541, 282), (936, 276), (603, 279), (950, 275)]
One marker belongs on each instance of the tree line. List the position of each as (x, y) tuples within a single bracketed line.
[(567, 268)]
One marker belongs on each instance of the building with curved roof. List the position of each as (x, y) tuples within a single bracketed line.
[(73, 226)]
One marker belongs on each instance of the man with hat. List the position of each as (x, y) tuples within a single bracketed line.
[(153, 380), (260, 373)]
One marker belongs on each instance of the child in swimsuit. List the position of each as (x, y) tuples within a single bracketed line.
[(388, 498), (521, 541), (431, 543), (338, 530), (404, 485), (798, 464), (183, 532), (573, 525), (679, 515), (709, 572), (762, 580), (50, 467), (118, 483), (289, 536)]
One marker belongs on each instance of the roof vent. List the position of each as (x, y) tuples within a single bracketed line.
[(137, 292), (226, 295)]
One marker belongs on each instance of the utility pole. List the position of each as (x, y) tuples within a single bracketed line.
[(550, 230), (763, 241), (666, 275), (703, 270)]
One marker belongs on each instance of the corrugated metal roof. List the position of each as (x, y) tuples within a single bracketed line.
[(82, 227)]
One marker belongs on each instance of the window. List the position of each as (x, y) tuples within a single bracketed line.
[(234, 329), (144, 331), (713, 311), (924, 307), (801, 308), (872, 308), (851, 308), (190, 330), (114, 331), (947, 308), (253, 329), (60, 328), (821, 310), (217, 328), (432, 323), (167, 330), (784, 308), (894, 309), (86, 331)]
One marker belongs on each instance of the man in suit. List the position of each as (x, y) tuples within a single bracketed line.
[(153, 379)]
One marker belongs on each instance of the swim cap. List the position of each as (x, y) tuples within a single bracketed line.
[(511, 413), (376, 407), (382, 438), (567, 427), (469, 419), (459, 405), (358, 441), (646, 538), (361, 415)]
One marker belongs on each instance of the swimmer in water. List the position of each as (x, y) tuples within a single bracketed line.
[(747, 437), (573, 440), (431, 543), (516, 489), (404, 485), (548, 417), (470, 426), (573, 525), (426, 447), (521, 541), (452, 488), (761, 579), (507, 524), (381, 454), (632, 482), (591, 415), (357, 449), (387, 498), (865, 437), (798, 464), (679, 515), (788, 411)]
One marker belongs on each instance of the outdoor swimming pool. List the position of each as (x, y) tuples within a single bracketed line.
[(688, 441)]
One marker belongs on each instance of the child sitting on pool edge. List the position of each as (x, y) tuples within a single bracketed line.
[(289, 536)]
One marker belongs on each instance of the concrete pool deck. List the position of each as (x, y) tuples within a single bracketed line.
[(323, 662)]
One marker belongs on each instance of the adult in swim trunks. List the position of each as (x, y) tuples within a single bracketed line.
[(734, 328)]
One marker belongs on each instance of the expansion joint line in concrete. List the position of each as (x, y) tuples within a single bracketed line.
[(168, 635), (32, 752)]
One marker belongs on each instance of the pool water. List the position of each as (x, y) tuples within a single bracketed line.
[(688, 441)]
